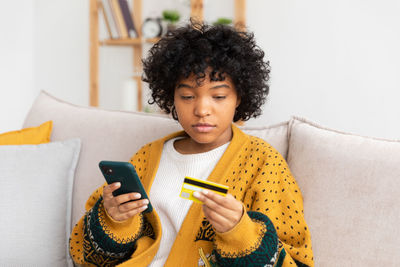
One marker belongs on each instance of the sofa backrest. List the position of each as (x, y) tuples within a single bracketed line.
[(114, 135)]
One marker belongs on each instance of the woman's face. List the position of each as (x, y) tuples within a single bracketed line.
[(206, 111)]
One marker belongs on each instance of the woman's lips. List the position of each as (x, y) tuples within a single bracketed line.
[(203, 128)]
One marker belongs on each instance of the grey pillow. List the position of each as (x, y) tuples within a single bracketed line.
[(35, 202)]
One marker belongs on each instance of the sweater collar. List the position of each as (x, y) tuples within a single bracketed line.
[(239, 139)]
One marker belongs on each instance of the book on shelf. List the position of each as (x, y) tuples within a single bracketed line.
[(113, 17), (127, 15), (109, 20), (116, 10)]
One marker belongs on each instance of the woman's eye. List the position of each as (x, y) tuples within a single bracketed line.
[(219, 97), (186, 97)]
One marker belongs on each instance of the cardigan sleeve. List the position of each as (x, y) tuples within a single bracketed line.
[(99, 240), (273, 231)]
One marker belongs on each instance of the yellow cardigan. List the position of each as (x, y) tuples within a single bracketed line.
[(272, 232)]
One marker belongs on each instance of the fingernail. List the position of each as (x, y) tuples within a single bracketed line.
[(118, 184), (144, 207), (196, 194), (146, 201), (137, 195), (204, 191)]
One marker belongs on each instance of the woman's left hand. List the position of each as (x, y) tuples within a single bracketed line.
[(222, 212)]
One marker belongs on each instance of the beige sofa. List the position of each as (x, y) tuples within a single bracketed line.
[(350, 184)]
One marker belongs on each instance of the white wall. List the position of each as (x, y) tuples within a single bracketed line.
[(62, 49), (334, 62), (44, 46), (16, 62)]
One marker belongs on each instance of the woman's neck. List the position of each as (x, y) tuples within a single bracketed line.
[(189, 146)]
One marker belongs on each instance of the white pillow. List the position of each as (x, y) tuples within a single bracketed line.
[(35, 202), (351, 190)]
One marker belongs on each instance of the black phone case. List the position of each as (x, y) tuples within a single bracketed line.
[(125, 173)]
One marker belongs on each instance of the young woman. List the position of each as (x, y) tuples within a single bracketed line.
[(206, 77)]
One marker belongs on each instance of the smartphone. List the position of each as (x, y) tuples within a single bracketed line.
[(125, 173)]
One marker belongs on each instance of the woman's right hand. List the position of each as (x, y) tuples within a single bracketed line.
[(118, 207)]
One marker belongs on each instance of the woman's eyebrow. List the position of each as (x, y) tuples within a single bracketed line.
[(220, 86), (184, 85)]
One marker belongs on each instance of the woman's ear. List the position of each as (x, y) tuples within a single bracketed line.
[(174, 113)]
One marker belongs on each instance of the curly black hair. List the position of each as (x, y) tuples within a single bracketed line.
[(197, 47)]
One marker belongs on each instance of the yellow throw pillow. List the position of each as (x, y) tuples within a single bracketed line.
[(28, 136)]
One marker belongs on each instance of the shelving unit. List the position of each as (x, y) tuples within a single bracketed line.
[(197, 11)]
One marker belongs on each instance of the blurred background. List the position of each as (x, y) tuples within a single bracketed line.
[(336, 63)]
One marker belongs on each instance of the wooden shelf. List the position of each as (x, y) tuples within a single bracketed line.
[(129, 42), (197, 10)]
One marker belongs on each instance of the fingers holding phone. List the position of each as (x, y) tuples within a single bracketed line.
[(124, 196), (122, 207)]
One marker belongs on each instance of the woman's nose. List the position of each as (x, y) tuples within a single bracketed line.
[(202, 108)]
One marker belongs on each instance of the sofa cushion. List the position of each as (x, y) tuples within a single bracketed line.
[(35, 202), (28, 136), (276, 135), (115, 135), (351, 189)]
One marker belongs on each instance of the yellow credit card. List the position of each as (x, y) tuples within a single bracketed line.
[(191, 185)]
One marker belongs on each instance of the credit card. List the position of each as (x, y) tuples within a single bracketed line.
[(191, 185)]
